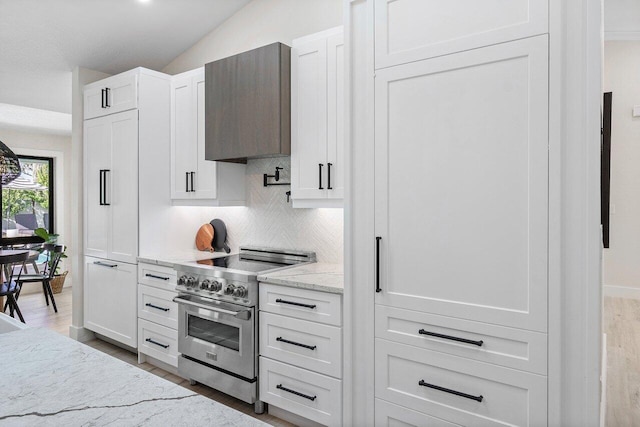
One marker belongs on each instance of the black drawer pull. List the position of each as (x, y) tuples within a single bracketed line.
[(157, 307), (311, 306), (103, 264), (449, 337), (310, 347), (378, 288), (447, 390), (156, 277), (297, 393), (157, 343)]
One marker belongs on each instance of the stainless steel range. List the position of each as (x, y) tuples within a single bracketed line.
[(218, 322)]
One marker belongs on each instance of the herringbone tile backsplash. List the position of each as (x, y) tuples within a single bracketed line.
[(268, 220)]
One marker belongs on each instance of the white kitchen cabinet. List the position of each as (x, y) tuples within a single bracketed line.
[(111, 95), (411, 30), (461, 159), (157, 315), (301, 352), (194, 179), (317, 120), (111, 190), (126, 194), (110, 299)]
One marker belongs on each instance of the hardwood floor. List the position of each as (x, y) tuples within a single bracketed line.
[(37, 314), (622, 326)]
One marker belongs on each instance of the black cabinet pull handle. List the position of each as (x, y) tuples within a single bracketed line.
[(329, 176), (101, 184), (102, 264), (156, 277), (106, 98), (448, 390), (192, 187), (186, 185), (297, 393), (102, 92), (449, 337), (104, 188), (299, 304), (157, 307), (378, 288), (157, 343), (320, 176), (310, 347)]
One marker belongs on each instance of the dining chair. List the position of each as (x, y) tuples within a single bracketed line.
[(10, 286), (54, 254)]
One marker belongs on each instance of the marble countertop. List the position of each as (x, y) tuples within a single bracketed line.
[(51, 380), (316, 276), (171, 259)]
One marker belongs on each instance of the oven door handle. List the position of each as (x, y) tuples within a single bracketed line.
[(244, 314)]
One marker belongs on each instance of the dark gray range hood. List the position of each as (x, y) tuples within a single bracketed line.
[(247, 105)]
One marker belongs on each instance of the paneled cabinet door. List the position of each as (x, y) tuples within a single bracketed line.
[(97, 159), (411, 30), (111, 95), (192, 177), (110, 299), (122, 187), (309, 120), (335, 116), (183, 142), (461, 165)]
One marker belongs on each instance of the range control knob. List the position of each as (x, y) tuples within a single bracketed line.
[(192, 282), (206, 284), (182, 281), (229, 290), (215, 286), (240, 292)]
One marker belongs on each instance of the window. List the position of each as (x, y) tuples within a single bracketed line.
[(27, 202)]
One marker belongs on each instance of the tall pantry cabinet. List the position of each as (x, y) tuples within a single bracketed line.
[(126, 150), (460, 202)]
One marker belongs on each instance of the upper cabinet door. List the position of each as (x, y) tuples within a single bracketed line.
[(111, 95), (411, 30), (309, 120), (183, 138), (205, 183), (461, 184), (122, 187), (335, 116)]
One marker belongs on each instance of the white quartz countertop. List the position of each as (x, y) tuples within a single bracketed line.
[(316, 276), (171, 259), (50, 380)]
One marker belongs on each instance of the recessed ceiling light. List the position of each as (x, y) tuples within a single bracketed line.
[(144, 1)]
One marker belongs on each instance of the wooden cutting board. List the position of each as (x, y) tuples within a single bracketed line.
[(204, 238)]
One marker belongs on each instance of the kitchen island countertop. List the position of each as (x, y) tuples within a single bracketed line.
[(171, 259), (317, 276), (51, 380)]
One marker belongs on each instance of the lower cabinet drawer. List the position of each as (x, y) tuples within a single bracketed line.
[(458, 390), (308, 345), (305, 393), (156, 305), (510, 347), (158, 276), (158, 341), (390, 415)]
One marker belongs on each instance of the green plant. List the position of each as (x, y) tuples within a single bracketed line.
[(49, 238)]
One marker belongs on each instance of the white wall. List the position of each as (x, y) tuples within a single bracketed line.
[(259, 23), (622, 19), (58, 147), (622, 259), (267, 219)]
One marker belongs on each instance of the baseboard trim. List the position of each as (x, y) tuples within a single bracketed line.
[(80, 334), (621, 292)]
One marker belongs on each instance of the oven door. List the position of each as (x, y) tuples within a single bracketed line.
[(218, 333)]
